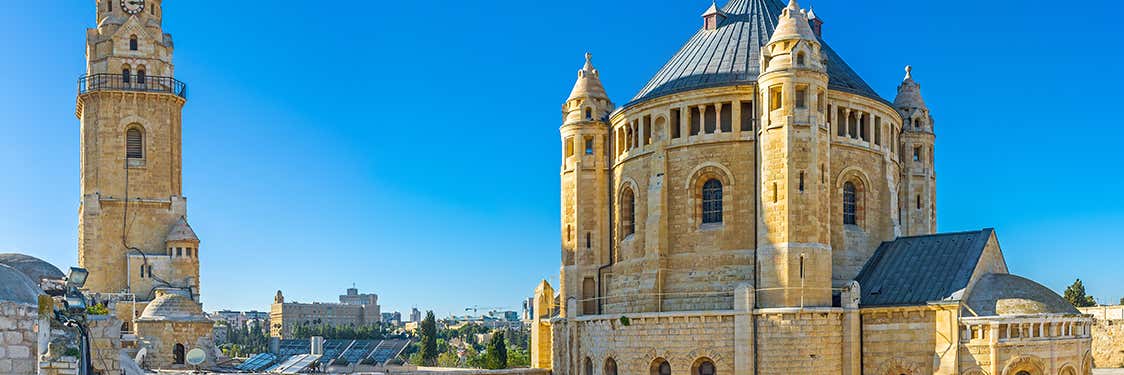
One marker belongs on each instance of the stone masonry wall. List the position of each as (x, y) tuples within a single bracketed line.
[(802, 342), (681, 339), (18, 341), (1108, 335)]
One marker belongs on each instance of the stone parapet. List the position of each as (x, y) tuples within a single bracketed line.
[(18, 340)]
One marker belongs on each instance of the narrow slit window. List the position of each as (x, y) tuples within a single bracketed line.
[(589, 145), (918, 201), (588, 240), (675, 122), (628, 212), (801, 181)]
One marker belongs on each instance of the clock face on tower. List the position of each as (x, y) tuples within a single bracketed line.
[(132, 6)]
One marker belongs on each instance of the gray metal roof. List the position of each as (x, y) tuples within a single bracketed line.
[(731, 55), (917, 270)]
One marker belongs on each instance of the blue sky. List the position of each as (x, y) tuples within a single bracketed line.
[(413, 150)]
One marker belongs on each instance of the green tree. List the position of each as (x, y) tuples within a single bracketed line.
[(1075, 294), (496, 355), (518, 357), (428, 345), (448, 359)]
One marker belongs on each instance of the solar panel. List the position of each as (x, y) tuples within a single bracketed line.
[(257, 362)]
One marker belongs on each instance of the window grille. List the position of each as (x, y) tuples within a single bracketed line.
[(712, 202), (849, 204)]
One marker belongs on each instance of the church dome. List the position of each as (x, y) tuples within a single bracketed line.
[(731, 55), (36, 269), (172, 306), (1005, 294), (17, 287)]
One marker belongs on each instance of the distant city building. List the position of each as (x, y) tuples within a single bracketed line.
[(415, 315), (354, 298), (394, 318), (529, 308), (353, 310), (241, 318)]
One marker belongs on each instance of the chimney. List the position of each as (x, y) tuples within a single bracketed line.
[(817, 23)]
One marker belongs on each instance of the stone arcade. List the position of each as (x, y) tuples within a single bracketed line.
[(758, 209)]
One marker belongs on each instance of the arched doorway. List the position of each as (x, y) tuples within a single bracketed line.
[(178, 354), (610, 367), (661, 367), (588, 368)]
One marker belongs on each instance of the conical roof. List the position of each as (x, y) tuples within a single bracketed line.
[(589, 82), (909, 92), (731, 55), (182, 232)]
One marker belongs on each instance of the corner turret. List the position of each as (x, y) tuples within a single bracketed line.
[(585, 181), (919, 190), (795, 261)]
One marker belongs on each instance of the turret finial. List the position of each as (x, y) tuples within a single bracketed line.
[(908, 72), (793, 5)]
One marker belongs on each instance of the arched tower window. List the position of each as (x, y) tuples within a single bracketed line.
[(126, 74), (134, 143), (800, 59), (610, 367), (660, 367), (850, 204), (133, 43), (628, 212), (712, 202), (704, 367), (141, 75), (589, 113)]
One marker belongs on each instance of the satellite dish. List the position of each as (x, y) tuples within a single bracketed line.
[(196, 356)]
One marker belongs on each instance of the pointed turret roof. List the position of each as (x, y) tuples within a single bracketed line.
[(731, 54), (909, 92), (792, 24), (589, 82), (182, 232)]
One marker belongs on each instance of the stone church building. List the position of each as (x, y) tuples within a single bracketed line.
[(757, 208)]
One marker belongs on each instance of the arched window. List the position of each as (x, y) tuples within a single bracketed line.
[(712, 202), (628, 212), (178, 354), (800, 59), (1023, 373), (705, 368), (660, 367), (589, 113), (134, 143), (588, 367), (126, 74), (141, 75), (610, 367), (133, 43), (849, 204)]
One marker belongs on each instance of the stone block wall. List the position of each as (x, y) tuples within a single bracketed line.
[(681, 339), (794, 341), (18, 341), (1108, 335), (105, 343), (901, 340)]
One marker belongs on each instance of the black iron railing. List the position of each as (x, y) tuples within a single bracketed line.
[(122, 82)]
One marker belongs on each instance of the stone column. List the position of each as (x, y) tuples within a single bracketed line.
[(743, 330)]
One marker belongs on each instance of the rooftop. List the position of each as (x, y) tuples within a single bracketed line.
[(731, 55)]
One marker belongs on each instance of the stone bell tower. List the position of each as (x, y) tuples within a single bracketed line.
[(585, 181), (919, 190), (794, 233), (133, 233)]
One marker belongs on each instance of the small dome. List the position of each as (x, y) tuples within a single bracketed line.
[(36, 269), (17, 287), (172, 306), (1005, 294)]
